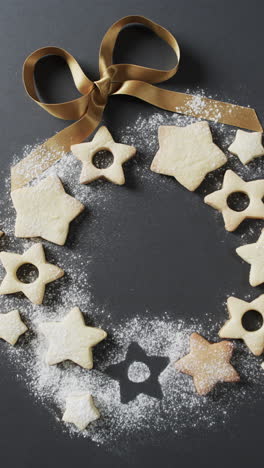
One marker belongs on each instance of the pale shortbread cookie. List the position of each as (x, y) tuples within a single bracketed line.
[(71, 339), (234, 329), (11, 327), (247, 146), (46, 273), (233, 183), (254, 255), (45, 210), (103, 141), (208, 363), (187, 153), (80, 410)]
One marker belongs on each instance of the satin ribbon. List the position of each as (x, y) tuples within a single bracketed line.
[(132, 80)]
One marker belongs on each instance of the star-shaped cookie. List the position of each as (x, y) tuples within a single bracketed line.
[(208, 363), (71, 339), (234, 329), (45, 210), (232, 183), (80, 410), (187, 153), (46, 273), (11, 327), (254, 255), (247, 146), (103, 141)]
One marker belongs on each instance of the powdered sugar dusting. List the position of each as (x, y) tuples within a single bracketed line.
[(138, 372), (180, 408)]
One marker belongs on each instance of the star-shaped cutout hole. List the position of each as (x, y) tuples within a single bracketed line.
[(138, 373), (71, 339), (234, 328), (86, 152), (233, 184), (247, 146), (80, 410), (11, 327), (208, 363), (45, 210), (35, 290), (187, 153), (254, 255)]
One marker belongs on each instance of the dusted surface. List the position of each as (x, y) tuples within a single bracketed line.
[(221, 52)]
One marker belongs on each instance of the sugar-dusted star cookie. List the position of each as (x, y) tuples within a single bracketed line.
[(234, 329), (187, 153), (35, 290), (208, 363), (80, 410), (11, 327), (45, 210), (103, 141), (233, 183), (254, 255), (247, 146), (71, 339)]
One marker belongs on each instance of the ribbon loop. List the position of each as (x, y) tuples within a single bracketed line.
[(128, 79), (125, 72), (70, 110)]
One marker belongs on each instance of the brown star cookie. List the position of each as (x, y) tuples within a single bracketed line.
[(208, 363)]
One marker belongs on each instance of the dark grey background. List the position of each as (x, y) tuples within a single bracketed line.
[(168, 255)]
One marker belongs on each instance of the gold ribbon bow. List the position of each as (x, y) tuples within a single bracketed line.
[(129, 79)]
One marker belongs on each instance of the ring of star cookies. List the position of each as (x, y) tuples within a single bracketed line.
[(45, 210)]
